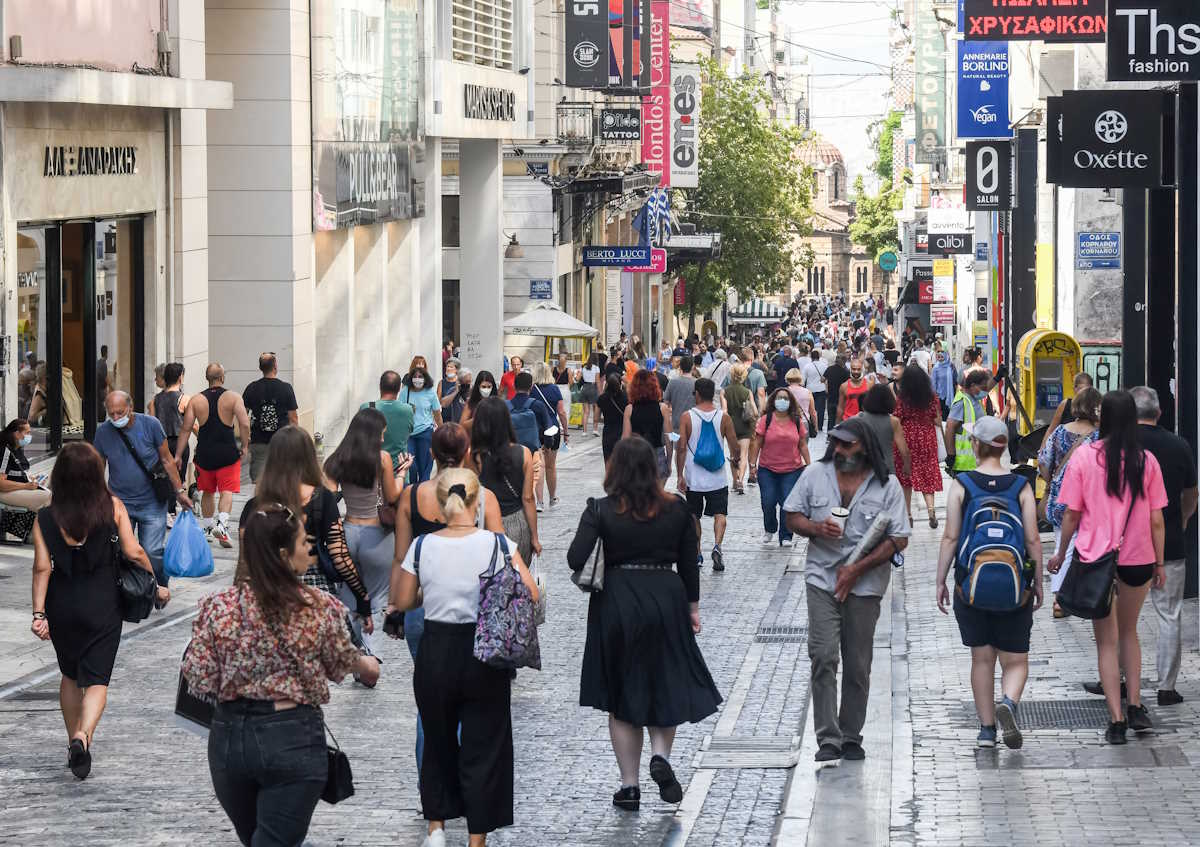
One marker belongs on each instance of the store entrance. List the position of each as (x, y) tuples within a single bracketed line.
[(80, 320)]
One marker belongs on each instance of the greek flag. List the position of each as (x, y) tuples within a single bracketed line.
[(658, 214)]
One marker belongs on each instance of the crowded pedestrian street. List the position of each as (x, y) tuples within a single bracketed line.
[(747, 772)]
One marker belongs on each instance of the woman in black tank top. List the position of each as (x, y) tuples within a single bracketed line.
[(647, 416)]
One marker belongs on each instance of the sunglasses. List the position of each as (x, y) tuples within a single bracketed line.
[(275, 509)]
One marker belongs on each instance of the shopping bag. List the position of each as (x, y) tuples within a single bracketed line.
[(187, 553)]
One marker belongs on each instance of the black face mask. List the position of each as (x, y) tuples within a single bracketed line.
[(849, 464)]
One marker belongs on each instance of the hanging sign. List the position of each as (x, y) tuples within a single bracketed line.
[(685, 126), (656, 265), (989, 176), (1109, 139), (656, 106), (620, 124), (615, 257), (1153, 40), (941, 314), (587, 44), (943, 280), (681, 292), (930, 94), (922, 277), (1064, 21), (983, 89)]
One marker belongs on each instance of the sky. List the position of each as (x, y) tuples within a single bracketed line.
[(847, 43)]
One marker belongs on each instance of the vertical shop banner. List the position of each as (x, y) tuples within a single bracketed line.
[(587, 44), (931, 86), (612, 306), (983, 89), (681, 292), (656, 106), (685, 126)]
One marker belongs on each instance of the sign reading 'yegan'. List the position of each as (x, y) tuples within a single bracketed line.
[(89, 161)]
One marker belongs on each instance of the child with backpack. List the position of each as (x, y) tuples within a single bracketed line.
[(992, 540)]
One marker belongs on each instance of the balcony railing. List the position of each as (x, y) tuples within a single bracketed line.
[(576, 124)]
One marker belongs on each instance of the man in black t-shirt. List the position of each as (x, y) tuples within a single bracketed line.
[(780, 365), (271, 403), (835, 375), (1179, 478)]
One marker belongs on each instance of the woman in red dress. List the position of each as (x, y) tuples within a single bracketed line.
[(921, 418)]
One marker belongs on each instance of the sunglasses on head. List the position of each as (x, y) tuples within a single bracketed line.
[(275, 509)]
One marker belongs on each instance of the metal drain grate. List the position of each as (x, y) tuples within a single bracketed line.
[(1091, 713), (749, 751), (781, 634)]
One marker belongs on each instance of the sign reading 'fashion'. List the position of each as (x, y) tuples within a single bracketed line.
[(1071, 21), (1153, 40), (1108, 139), (487, 103)]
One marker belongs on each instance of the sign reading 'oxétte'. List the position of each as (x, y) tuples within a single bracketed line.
[(89, 161)]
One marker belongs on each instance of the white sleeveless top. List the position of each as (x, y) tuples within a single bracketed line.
[(698, 478)]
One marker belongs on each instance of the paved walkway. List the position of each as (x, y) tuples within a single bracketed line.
[(923, 781)]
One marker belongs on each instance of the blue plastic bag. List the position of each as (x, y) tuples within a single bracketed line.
[(187, 553)]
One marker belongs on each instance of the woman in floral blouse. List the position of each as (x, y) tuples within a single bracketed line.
[(265, 648)]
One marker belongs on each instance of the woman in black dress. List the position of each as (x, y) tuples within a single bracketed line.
[(75, 600), (612, 403), (641, 663)]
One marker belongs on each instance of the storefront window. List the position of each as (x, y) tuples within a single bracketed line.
[(451, 310)]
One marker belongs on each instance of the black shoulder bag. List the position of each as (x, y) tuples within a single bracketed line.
[(160, 482), (137, 588), (1087, 589)]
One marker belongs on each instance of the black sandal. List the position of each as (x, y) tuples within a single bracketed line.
[(79, 759), (628, 798), (669, 788)]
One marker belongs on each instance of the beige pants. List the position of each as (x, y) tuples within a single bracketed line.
[(31, 500)]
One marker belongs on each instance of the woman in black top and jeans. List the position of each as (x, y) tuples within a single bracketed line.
[(505, 468), (641, 663)]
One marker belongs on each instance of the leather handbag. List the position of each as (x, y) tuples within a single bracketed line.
[(197, 708), (137, 587), (590, 577), (339, 780), (1087, 589)]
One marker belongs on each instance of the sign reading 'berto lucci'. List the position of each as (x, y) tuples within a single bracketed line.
[(1070, 21), (1108, 139), (615, 257), (1154, 40)]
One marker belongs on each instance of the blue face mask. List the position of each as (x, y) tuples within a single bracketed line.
[(27, 439), (120, 422)]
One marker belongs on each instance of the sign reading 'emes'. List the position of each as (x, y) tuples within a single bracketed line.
[(1072, 21), (89, 161)]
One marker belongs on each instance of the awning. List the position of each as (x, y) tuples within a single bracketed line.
[(547, 319), (757, 311)]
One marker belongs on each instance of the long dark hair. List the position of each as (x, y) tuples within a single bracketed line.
[(632, 480), (291, 462), (1124, 459), (9, 437), (879, 400), (480, 378), (450, 444), (915, 388), (492, 434), (612, 384), (271, 529), (793, 411), (81, 502), (356, 459)]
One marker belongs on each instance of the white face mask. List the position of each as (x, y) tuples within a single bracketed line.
[(451, 376), (782, 404), (418, 382), (120, 422), (485, 391), (27, 439)]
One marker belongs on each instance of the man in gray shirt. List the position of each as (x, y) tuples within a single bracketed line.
[(680, 393), (844, 596)]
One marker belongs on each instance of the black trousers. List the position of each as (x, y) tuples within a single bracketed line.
[(268, 769), (472, 777), (819, 403), (172, 442), (831, 403)]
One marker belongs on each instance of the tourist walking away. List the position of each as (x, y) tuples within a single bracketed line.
[(851, 391), (780, 365), (1114, 493), (399, 417), (427, 413), (549, 394), (611, 403), (168, 405), (419, 513), (876, 409), (780, 453), (293, 477), (920, 417), (743, 410), (134, 447), (271, 404), (836, 375), (813, 373), (265, 649), (17, 488), (1057, 450), (505, 468), (590, 393), (76, 605), (700, 464), (648, 417), (218, 456), (841, 501), (467, 769), (641, 663), (1178, 466), (362, 470), (680, 393), (968, 407), (531, 418), (992, 541)]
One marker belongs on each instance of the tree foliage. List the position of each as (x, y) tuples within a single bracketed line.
[(885, 133), (752, 190), (874, 223)]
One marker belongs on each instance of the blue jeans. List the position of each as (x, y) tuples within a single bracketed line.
[(420, 446), (414, 628), (773, 489), (150, 524)]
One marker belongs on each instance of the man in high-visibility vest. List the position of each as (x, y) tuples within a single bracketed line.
[(966, 408)]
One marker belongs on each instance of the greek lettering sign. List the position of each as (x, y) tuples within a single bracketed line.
[(615, 257), (89, 161), (620, 125), (931, 86), (989, 176), (1108, 139), (1098, 250), (487, 103), (685, 126), (587, 44), (1064, 21), (541, 289), (1153, 40), (983, 89)]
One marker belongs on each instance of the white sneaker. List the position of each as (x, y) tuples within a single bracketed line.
[(437, 838), (768, 539), (540, 507)]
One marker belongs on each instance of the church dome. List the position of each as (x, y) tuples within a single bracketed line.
[(819, 153)]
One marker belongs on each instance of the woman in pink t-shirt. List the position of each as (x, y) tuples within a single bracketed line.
[(1114, 494), (780, 452)]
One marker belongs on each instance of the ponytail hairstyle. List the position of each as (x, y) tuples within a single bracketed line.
[(457, 491)]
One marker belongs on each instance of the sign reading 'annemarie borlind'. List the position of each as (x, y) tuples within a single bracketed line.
[(487, 103), (1153, 40), (63, 160), (1064, 21)]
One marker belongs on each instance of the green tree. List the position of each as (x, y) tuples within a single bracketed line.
[(753, 190), (884, 138), (874, 223)]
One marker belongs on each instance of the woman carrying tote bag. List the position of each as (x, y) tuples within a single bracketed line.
[(1114, 496)]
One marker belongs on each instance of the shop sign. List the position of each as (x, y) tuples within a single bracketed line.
[(681, 292), (608, 45), (941, 314), (981, 251), (930, 86), (615, 257), (656, 106), (587, 44), (1063, 21), (983, 89), (951, 243), (620, 124), (1095, 250), (1153, 40), (989, 176), (685, 126), (488, 103), (61, 160), (943, 280), (922, 277), (946, 219), (362, 183), (1108, 139), (656, 265), (982, 313), (541, 289)]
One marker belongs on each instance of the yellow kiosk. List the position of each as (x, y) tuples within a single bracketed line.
[(1047, 362), (554, 325)]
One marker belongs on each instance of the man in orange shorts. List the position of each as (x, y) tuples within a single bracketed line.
[(218, 456)]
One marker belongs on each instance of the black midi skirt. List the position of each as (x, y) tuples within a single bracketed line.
[(641, 662), (84, 613)]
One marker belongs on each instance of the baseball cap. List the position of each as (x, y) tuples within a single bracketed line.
[(989, 430), (844, 433)]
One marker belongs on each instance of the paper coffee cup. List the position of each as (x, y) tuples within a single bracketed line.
[(839, 516)]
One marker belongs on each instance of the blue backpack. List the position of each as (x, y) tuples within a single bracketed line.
[(708, 453), (991, 555), (525, 425)]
